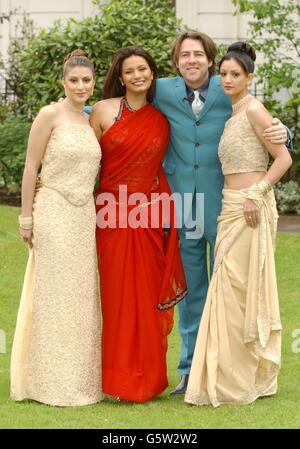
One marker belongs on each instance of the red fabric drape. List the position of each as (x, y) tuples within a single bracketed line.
[(141, 273)]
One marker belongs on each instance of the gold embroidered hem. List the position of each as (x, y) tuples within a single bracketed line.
[(180, 295), (245, 399), (238, 349)]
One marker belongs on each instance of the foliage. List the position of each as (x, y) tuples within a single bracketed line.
[(152, 25), (222, 50), (288, 197), (24, 30), (35, 64), (13, 140), (4, 17), (274, 32), (4, 111)]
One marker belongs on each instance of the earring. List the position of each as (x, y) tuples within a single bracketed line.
[(121, 81)]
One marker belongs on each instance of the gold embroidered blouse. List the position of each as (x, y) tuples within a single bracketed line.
[(240, 150)]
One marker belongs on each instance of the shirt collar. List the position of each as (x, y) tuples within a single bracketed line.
[(202, 91)]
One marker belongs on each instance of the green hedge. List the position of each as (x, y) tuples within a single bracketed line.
[(288, 197), (13, 142)]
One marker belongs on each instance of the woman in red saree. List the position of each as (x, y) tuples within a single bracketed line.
[(141, 274)]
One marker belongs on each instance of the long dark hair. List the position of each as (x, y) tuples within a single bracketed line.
[(112, 86)]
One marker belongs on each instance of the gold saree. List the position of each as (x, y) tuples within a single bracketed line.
[(237, 353)]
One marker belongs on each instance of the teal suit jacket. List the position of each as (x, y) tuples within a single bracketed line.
[(191, 162)]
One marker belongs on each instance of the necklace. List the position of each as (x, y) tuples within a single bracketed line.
[(75, 110), (124, 103), (128, 106), (240, 103)]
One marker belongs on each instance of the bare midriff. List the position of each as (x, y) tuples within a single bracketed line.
[(239, 181)]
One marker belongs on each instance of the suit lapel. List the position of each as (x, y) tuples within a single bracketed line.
[(180, 91), (213, 92)]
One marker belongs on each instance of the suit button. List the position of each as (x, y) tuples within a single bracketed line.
[(197, 122), (197, 144), (196, 166)]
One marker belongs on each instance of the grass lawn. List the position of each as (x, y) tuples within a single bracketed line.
[(280, 411)]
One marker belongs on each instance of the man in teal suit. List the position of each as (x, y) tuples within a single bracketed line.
[(197, 110)]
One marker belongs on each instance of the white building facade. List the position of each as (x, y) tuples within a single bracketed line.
[(42, 12), (213, 17)]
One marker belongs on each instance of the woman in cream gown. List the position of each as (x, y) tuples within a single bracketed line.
[(237, 354), (56, 350)]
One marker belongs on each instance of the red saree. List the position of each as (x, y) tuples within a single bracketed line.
[(141, 274)]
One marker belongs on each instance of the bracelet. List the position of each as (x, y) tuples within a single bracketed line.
[(26, 222), (265, 186)]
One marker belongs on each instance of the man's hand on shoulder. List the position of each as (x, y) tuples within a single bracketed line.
[(58, 101), (277, 133)]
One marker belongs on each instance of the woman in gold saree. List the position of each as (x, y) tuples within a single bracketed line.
[(238, 349)]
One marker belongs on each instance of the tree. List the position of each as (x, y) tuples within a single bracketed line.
[(151, 24), (274, 31), (24, 30)]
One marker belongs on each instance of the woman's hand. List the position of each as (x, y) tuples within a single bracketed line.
[(38, 184), (26, 235), (251, 213)]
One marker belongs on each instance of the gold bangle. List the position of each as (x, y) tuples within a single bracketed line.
[(26, 222), (26, 227), (265, 186)]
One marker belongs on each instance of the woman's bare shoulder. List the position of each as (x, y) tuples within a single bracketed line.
[(107, 104), (46, 117), (255, 105), (257, 113), (51, 110)]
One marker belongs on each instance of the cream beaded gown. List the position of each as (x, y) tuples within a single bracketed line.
[(56, 350)]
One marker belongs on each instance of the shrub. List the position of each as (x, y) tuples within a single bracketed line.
[(13, 141), (288, 197)]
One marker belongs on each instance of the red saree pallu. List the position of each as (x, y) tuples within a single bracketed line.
[(141, 273)]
